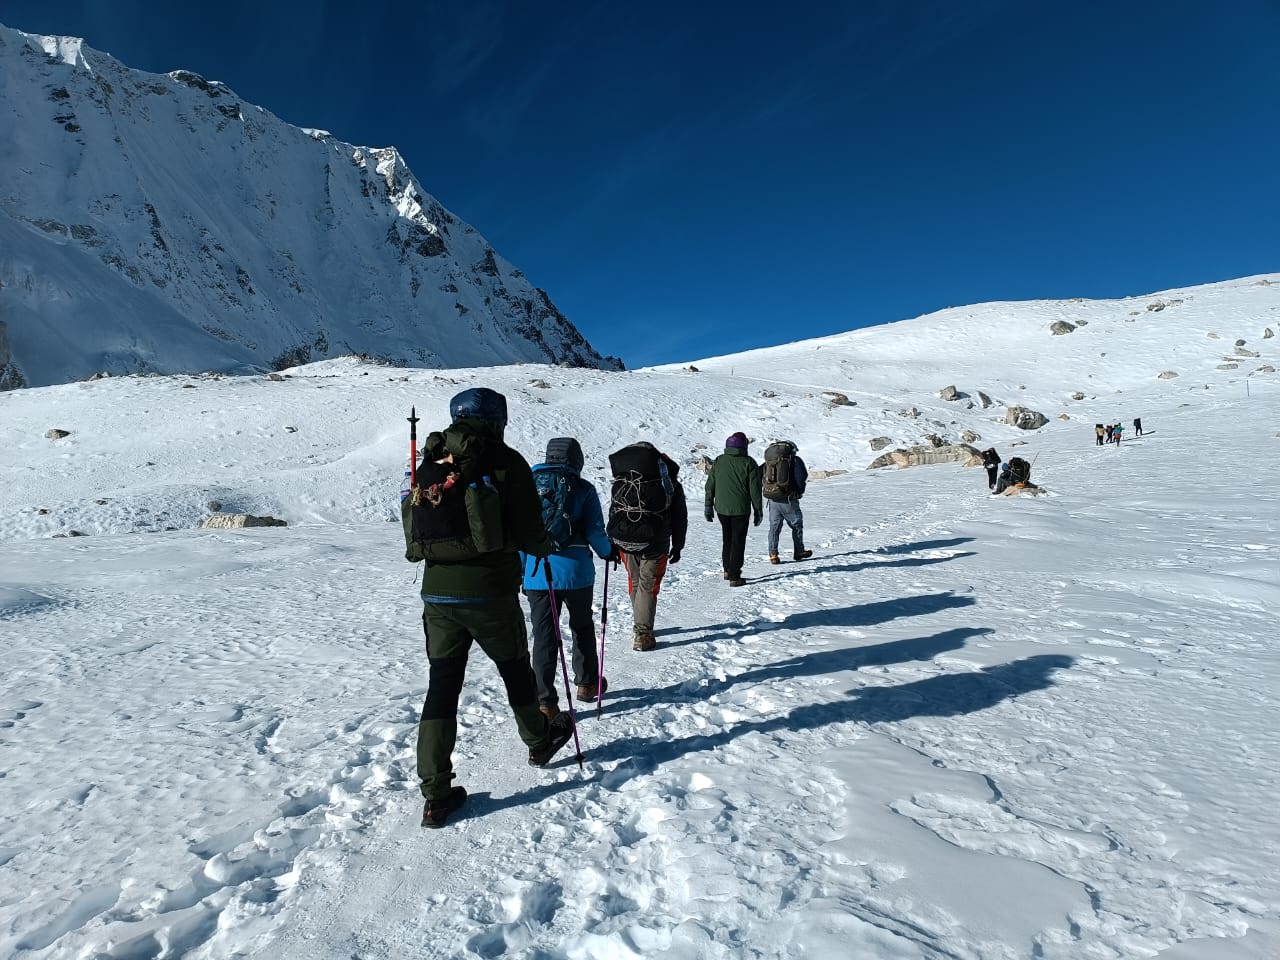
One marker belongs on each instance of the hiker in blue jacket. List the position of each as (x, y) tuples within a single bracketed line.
[(573, 516)]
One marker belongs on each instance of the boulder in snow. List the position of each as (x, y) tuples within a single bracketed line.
[(56, 434), (949, 393), (1059, 327), (879, 443), (1025, 418), (1167, 375)]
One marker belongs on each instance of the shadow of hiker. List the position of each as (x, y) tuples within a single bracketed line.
[(924, 545), (807, 665), (860, 615), (947, 695), (855, 567)]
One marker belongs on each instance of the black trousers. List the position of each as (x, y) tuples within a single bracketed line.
[(991, 475), (733, 530), (545, 657)]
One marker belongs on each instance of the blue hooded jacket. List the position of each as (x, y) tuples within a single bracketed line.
[(573, 567)]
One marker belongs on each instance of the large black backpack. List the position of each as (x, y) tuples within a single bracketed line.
[(455, 510), (1019, 471), (776, 475), (639, 499)]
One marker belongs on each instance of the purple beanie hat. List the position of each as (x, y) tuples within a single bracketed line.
[(738, 440)]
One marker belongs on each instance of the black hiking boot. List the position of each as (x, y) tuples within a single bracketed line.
[(435, 813), (559, 730), (803, 554), (737, 582)]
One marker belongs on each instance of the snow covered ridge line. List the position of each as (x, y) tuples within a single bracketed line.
[(158, 223)]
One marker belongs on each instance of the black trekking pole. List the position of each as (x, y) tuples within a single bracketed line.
[(564, 667), (413, 446), (604, 625)]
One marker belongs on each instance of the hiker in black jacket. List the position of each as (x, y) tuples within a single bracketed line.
[(991, 460)]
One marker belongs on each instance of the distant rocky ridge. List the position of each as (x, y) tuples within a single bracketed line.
[(158, 223)]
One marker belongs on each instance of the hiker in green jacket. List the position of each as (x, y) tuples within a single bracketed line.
[(733, 493), (474, 508)]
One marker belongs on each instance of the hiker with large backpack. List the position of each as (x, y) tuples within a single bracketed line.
[(783, 478), (733, 493), (472, 511), (648, 522), (575, 525)]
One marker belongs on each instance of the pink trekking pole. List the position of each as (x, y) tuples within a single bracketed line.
[(604, 625)]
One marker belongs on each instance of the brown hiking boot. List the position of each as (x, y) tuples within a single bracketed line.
[(644, 640), (550, 710), (588, 692), (435, 813), (803, 554), (773, 558)]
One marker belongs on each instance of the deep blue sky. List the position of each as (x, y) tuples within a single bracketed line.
[(688, 179)]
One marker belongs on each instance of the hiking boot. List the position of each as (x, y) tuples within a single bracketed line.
[(435, 813), (559, 731), (644, 640), (803, 554), (550, 710), (588, 692), (737, 582), (727, 575), (773, 558)]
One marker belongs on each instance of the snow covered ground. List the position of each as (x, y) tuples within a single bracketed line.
[(968, 727)]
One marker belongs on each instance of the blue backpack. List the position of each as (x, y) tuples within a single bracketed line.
[(556, 489)]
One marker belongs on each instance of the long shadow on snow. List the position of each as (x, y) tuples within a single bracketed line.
[(948, 695), (860, 615), (810, 569), (922, 545), (808, 665)]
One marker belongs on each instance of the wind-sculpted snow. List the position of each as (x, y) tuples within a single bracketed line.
[(968, 727)]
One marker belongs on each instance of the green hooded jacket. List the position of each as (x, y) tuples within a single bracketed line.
[(459, 570), (733, 485)]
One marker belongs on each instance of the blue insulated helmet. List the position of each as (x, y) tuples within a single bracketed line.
[(479, 403)]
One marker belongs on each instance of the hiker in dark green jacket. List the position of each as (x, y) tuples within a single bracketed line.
[(472, 511), (733, 492)]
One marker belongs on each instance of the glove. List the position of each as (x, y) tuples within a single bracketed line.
[(674, 556), (615, 558), (709, 515), (756, 521)]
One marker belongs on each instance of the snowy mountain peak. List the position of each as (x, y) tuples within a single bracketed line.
[(66, 49), (158, 223)]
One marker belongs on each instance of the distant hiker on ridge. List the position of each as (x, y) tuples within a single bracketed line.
[(991, 460), (474, 505), (733, 493), (1137, 426), (1099, 431)]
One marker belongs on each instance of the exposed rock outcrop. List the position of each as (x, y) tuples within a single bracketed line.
[(922, 456), (1059, 327), (223, 521)]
